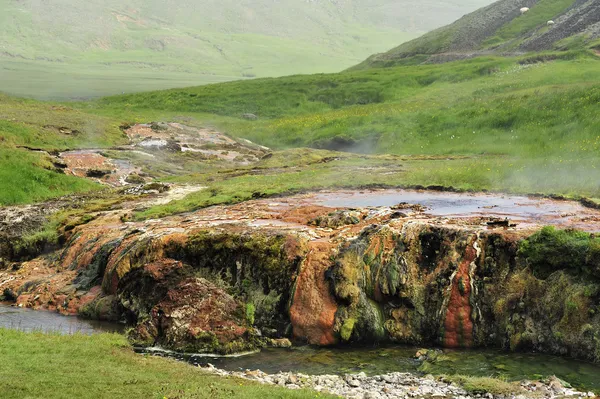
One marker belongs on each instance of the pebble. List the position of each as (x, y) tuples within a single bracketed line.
[(396, 385), (354, 383)]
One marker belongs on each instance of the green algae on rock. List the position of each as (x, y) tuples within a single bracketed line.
[(232, 278)]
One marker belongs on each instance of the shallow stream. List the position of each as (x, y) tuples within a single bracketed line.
[(312, 360), (30, 320), (386, 359)]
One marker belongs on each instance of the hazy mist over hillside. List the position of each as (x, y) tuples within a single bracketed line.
[(107, 47), (322, 198)]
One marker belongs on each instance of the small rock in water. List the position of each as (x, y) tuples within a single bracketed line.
[(281, 343)]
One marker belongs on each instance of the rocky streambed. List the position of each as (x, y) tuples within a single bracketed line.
[(493, 366), (401, 385), (389, 371)]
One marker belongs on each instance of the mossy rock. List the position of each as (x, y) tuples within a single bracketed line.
[(102, 308)]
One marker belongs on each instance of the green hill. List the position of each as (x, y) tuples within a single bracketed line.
[(502, 29), (518, 124), (521, 123), (71, 49)]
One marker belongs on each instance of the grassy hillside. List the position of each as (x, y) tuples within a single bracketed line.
[(523, 124), (526, 124), (477, 106), (28, 176), (71, 49), (501, 28)]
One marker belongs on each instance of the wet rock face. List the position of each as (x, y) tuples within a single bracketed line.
[(156, 281), (229, 279), (313, 308), (196, 315), (260, 269), (476, 293)]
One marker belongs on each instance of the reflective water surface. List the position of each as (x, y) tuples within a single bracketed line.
[(31, 320), (373, 361), (339, 360), (460, 205)]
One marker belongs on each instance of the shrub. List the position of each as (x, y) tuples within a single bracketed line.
[(551, 249)]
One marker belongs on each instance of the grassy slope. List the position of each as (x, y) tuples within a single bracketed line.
[(27, 176), (507, 124), (538, 16), (514, 124), (498, 28), (71, 49), (104, 366), (415, 110)]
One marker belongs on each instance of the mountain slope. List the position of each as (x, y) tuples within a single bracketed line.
[(501, 28), (71, 48)]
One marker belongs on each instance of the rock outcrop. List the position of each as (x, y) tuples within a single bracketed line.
[(501, 28), (233, 278)]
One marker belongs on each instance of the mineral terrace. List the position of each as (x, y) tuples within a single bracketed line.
[(324, 268)]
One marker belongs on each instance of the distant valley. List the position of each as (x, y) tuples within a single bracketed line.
[(70, 49)]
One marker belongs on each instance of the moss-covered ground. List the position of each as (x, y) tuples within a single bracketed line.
[(29, 176)]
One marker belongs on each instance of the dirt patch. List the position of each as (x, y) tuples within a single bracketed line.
[(80, 163), (63, 130), (304, 215), (174, 194), (92, 164)]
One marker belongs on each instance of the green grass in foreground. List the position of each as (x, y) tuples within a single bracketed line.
[(36, 365)]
